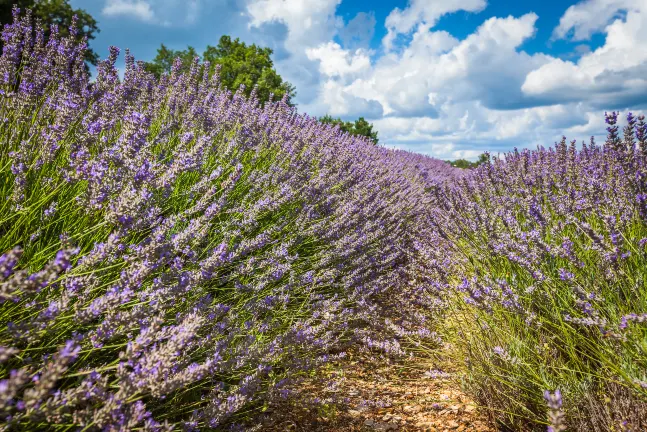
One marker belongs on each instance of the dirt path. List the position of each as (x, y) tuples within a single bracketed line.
[(402, 396)]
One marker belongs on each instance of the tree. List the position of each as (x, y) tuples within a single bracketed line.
[(248, 65), (239, 64), (58, 12), (464, 163), (344, 126), (163, 61), (364, 128), (360, 127)]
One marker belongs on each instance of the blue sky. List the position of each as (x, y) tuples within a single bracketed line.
[(448, 78)]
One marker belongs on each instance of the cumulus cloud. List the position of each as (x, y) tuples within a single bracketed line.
[(162, 12), (426, 13), (612, 76), (467, 129), (359, 31), (343, 104), (578, 51), (138, 9), (436, 69), (335, 61), (583, 19), (309, 23)]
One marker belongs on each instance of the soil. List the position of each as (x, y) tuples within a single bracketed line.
[(376, 395)]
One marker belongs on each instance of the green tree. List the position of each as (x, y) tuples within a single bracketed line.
[(359, 127), (344, 126), (464, 163), (58, 12), (239, 64), (163, 61)]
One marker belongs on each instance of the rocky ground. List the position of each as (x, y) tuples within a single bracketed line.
[(371, 395)]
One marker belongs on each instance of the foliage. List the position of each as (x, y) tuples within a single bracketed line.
[(239, 64), (55, 12), (163, 61), (175, 256), (358, 128), (545, 287), (465, 164)]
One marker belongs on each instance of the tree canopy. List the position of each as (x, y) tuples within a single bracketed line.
[(249, 65), (58, 12), (239, 64), (359, 127), (464, 163)]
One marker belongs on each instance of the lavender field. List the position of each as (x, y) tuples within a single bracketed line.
[(177, 257)]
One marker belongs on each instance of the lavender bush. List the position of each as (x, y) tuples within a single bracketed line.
[(173, 256), (546, 288)]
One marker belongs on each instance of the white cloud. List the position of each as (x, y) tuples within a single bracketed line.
[(426, 13), (342, 103), (359, 31), (335, 61), (309, 22), (612, 75), (591, 16), (436, 69), (138, 9), (161, 12), (555, 76)]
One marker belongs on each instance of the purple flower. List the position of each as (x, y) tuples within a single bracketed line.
[(565, 275)]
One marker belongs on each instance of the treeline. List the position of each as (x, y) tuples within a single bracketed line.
[(465, 164)]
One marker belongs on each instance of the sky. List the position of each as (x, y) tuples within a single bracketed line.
[(446, 78)]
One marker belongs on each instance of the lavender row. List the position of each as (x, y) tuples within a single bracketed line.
[(176, 256), (541, 281)]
